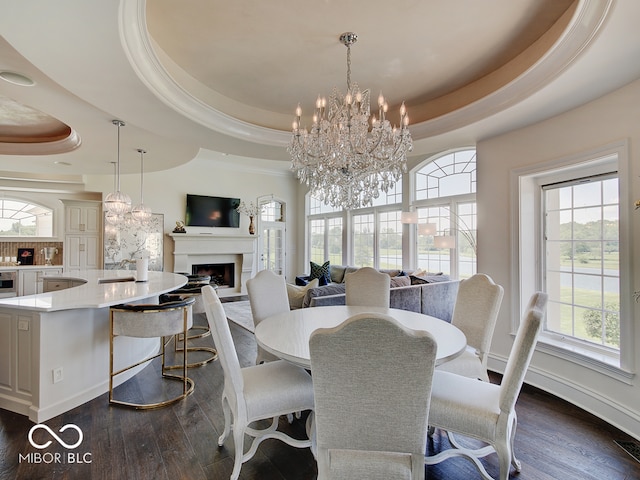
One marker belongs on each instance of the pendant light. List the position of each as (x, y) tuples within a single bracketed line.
[(118, 203), (141, 212), (112, 218)]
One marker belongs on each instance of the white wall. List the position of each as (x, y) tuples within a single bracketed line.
[(212, 174), (609, 119)]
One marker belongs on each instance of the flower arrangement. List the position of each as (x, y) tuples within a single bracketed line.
[(250, 209)]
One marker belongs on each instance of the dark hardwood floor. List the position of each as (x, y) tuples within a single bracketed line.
[(555, 440)]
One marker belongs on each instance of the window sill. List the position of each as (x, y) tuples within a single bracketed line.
[(602, 361)]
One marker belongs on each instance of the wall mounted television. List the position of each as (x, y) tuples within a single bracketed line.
[(205, 211)]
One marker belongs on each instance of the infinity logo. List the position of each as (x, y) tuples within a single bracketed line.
[(60, 441)]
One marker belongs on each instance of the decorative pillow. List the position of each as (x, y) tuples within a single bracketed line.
[(337, 273), (400, 281), (419, 280), (390, 271), (349, 270), (321, 272), (296, 293)]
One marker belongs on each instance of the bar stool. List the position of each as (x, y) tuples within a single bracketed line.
[(192, 289), (164, 320)]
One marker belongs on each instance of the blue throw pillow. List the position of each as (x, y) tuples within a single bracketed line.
[(321, 272)]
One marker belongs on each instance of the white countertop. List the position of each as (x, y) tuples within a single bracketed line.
[(4, 268), (94, 294)]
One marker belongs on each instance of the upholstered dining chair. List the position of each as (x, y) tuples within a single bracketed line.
[(372, 381), (254, 393), (485, 411), (475, 313), (367, 287), (267, 296)]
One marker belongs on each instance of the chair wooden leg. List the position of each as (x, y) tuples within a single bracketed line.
[(238, 442), (227, 422)]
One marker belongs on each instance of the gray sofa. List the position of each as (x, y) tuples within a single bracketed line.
[(434, 296)]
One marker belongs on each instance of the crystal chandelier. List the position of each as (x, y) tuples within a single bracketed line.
[(141, 212), (117, 203), (346, 159)]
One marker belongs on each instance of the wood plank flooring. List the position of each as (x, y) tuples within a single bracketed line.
[(555, 440)]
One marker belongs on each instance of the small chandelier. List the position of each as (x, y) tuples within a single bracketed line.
[(141, 212), (346, 159), (117, 203)]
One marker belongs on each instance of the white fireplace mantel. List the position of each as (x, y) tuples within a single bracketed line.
[(195, 249)]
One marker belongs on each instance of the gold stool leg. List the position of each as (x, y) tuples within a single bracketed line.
[(188, 384), (204, 331)]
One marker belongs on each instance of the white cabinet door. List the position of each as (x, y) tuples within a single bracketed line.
[(81, 252), (31, 281), (27, 284), (82, 218)]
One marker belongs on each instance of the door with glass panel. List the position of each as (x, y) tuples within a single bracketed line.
[(272, 236)]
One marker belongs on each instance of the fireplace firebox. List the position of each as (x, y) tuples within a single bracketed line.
[(222, 274)]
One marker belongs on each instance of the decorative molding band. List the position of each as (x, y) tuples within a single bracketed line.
[(594, 402), (139, 50)]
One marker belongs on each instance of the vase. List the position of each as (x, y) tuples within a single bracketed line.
[(252, 228)]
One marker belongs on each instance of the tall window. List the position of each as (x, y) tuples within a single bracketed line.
[(363, 240), (573, 246), (390, 240), (23, 219), (582, 259), (273, 227), (325, 233), (445, 196)]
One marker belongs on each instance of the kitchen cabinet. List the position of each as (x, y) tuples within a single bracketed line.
[(55, 284), (30, 281), (81, 252), (82, 241), (82, 217)]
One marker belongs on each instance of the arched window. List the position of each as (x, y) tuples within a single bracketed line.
[(444, 196), (23, 219)]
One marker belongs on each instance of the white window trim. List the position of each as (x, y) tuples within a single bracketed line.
[(526, 252)]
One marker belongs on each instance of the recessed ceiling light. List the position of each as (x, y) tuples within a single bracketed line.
[(17, 78), (65, 164)]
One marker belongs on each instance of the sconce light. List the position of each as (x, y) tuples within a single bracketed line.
[(409, 217), (427, 228)]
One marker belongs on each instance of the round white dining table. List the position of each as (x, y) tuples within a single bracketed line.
[(286, 335)]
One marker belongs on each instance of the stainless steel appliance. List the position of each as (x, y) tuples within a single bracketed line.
[(8, 283)]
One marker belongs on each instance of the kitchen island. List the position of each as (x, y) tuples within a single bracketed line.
[(54, 347)]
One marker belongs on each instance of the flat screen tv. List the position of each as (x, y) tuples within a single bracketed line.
[(204, 211)]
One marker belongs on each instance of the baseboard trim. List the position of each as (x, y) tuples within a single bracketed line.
[(577, 394)]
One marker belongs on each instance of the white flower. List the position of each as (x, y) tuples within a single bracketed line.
[(249, 209)]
